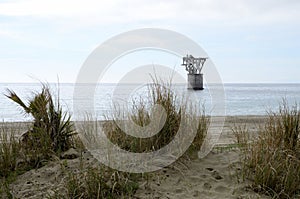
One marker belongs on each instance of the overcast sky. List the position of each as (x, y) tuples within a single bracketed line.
[(248, 40)]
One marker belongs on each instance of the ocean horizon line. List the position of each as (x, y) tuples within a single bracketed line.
[(114, 83)]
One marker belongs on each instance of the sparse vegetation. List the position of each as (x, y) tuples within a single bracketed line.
[(126, 183), (97, 183), (10, 160), (176, 111), (52, 133), (9, 152), (272, 160)]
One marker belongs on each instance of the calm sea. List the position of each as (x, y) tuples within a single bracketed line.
[(241, 99)]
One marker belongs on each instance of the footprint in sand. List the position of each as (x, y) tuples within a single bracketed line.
[(209, 169), (216, 175), (207, 186)]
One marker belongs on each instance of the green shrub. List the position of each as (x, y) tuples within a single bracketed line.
[(52, 129)]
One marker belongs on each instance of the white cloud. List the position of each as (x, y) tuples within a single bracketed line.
[(201, 11), (106, 10), (51, 8), (34, 27), (9, 34), (5, 33)]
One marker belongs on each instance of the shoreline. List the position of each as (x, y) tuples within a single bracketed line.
[(226, 116), (252, 122)]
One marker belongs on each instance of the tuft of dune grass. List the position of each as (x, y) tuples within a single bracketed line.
[(272, 160), (177, 110)]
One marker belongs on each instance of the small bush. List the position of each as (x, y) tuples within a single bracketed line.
[(52, 129), (272, 160), (158, 93), (51, 132)]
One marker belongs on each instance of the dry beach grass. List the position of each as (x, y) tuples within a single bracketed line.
[(255, 157)]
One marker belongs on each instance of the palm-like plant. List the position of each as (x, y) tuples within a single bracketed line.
[(52, 128)]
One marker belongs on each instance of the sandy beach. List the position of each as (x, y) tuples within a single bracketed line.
[(215, 176)]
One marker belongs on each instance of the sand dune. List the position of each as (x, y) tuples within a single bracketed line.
[(214, 176)]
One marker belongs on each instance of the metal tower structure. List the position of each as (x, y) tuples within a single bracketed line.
[(194, 67)]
